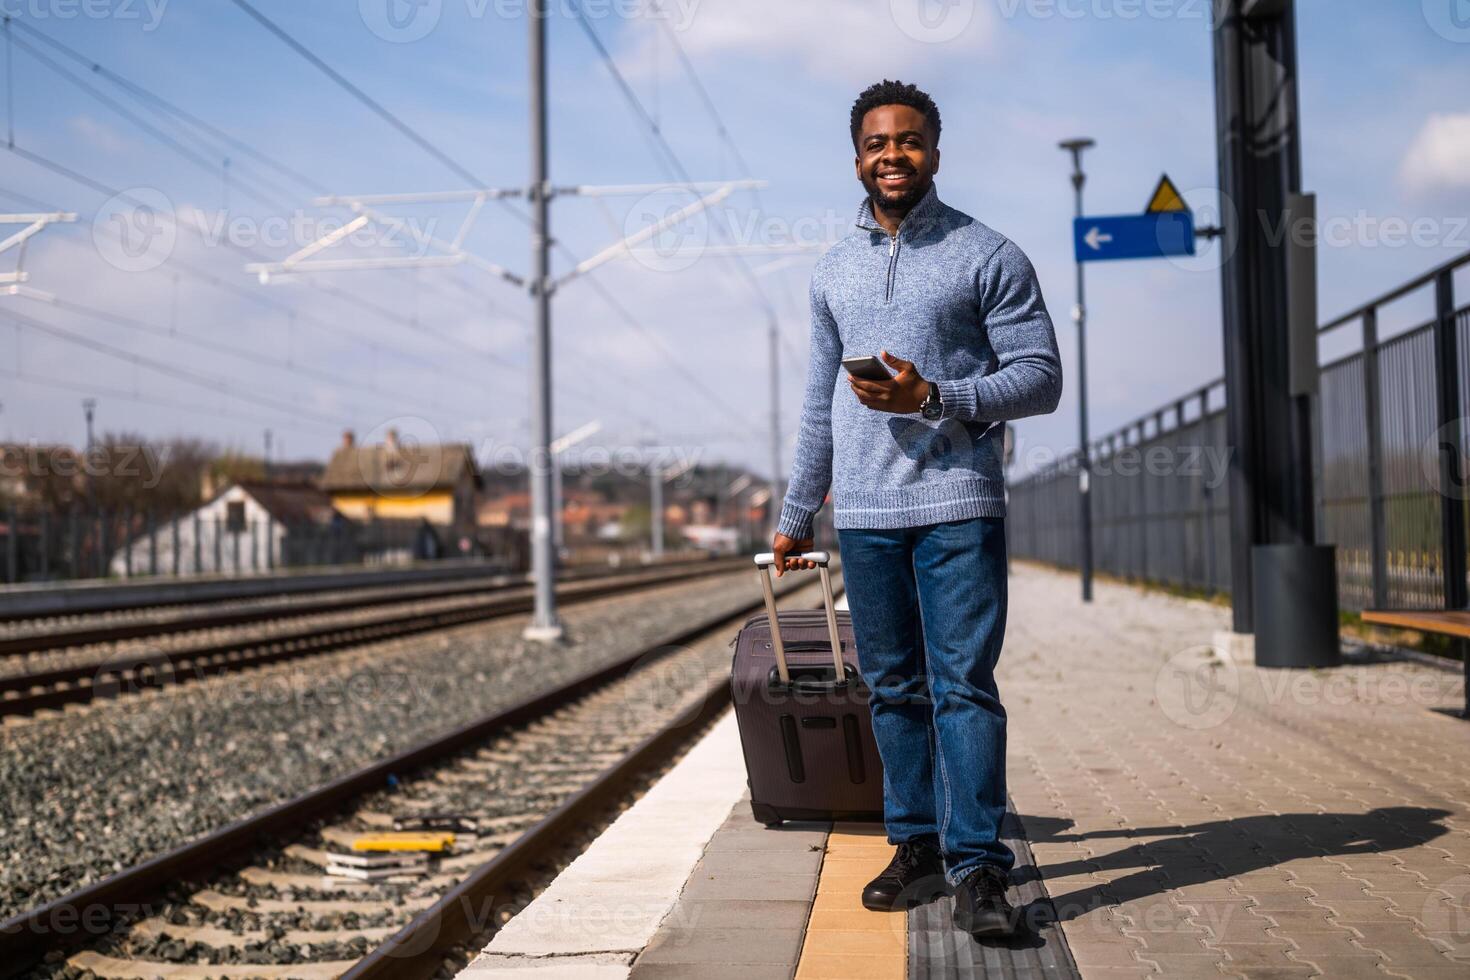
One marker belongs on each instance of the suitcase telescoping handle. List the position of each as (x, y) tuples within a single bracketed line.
[(763, 563)]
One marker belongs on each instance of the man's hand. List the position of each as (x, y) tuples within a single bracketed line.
[(903, 393), (781, 546)]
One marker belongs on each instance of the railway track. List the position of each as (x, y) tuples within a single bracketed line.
[(28, 691), (35, 634), (533, 776)]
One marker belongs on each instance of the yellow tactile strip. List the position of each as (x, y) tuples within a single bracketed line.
[(845, 941)]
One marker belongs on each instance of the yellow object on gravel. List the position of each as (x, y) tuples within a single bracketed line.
[(404, 841)]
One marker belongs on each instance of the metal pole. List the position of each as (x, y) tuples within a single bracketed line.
[(45, 544), (1267, 422), (544, 623), (1452, 481), (89, 408), (1373, 426), (656, 506), (1079, 315), (775, 509), (12, 545), (558, 503)]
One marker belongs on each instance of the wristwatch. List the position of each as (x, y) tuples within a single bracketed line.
[(932, 408)]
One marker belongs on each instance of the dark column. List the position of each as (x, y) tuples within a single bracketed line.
[(1260, 164)]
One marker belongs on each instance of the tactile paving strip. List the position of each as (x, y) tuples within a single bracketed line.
[(938, 951)]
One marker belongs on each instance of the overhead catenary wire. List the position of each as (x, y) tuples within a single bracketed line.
[(288, 422), (580, 392), (212, 382), (160, 103), (172, 144), (171, 333), (462, 171), (723, 131), (413, 323), (641, 111), (208, 165), (360, 95), (352, 298)]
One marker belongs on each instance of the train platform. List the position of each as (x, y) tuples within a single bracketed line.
[(1177, 814)]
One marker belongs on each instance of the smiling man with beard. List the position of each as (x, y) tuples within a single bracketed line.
[(914, 467)]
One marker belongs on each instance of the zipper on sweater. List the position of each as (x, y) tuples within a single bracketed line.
[(892, 264)]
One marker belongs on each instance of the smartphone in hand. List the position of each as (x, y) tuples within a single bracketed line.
[(867, 367)]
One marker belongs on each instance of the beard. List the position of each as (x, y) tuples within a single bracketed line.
[(902, 201)]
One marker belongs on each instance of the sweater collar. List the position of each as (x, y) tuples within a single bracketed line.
[(922, 215)]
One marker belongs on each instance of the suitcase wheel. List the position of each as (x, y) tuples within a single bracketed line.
[(765, 813)]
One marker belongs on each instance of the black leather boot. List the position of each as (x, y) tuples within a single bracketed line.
[(912, 862), (981, 907)]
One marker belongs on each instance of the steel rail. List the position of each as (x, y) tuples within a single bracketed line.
[(103, 632), (93, 911), (23, 694)]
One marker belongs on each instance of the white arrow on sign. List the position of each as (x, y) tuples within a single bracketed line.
[(1095, 239)]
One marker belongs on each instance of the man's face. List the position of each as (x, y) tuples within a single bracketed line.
[(896, 156)]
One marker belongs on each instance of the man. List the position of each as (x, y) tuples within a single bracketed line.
[(914, 465)]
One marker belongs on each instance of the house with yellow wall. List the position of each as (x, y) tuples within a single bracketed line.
[(407, 482)]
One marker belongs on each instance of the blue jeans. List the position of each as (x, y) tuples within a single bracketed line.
[(929, 612)]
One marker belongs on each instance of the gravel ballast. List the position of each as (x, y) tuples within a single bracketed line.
[(90, 792)]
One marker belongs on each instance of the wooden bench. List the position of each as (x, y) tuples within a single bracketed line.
[(1444, 622)]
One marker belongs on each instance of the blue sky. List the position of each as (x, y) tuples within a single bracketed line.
[(442, 351)]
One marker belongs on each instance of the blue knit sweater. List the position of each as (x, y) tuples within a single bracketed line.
[(960, 301)]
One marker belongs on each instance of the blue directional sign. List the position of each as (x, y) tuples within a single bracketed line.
[(1134, 236)]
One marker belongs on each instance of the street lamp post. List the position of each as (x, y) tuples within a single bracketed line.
[(1079, 316), (89, 409)]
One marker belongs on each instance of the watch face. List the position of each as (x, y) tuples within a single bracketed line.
[(932, 410)]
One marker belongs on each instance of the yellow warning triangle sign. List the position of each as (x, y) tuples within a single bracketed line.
[(1166, 198)]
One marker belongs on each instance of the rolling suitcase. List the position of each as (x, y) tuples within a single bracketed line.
[(802, 710)]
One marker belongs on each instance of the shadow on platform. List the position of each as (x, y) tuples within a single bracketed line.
[(1185, 855)]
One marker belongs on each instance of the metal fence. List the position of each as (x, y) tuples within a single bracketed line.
[(40, 545), (1384, 448)]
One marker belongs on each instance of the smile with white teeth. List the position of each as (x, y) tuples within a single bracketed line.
[(895, 175)]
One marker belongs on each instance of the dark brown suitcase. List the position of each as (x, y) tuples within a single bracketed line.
[(805, 727)]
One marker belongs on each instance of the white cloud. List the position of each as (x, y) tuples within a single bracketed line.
[(843, 39), (1439, 157)]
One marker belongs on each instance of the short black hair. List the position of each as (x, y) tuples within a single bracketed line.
[(893, 93)]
